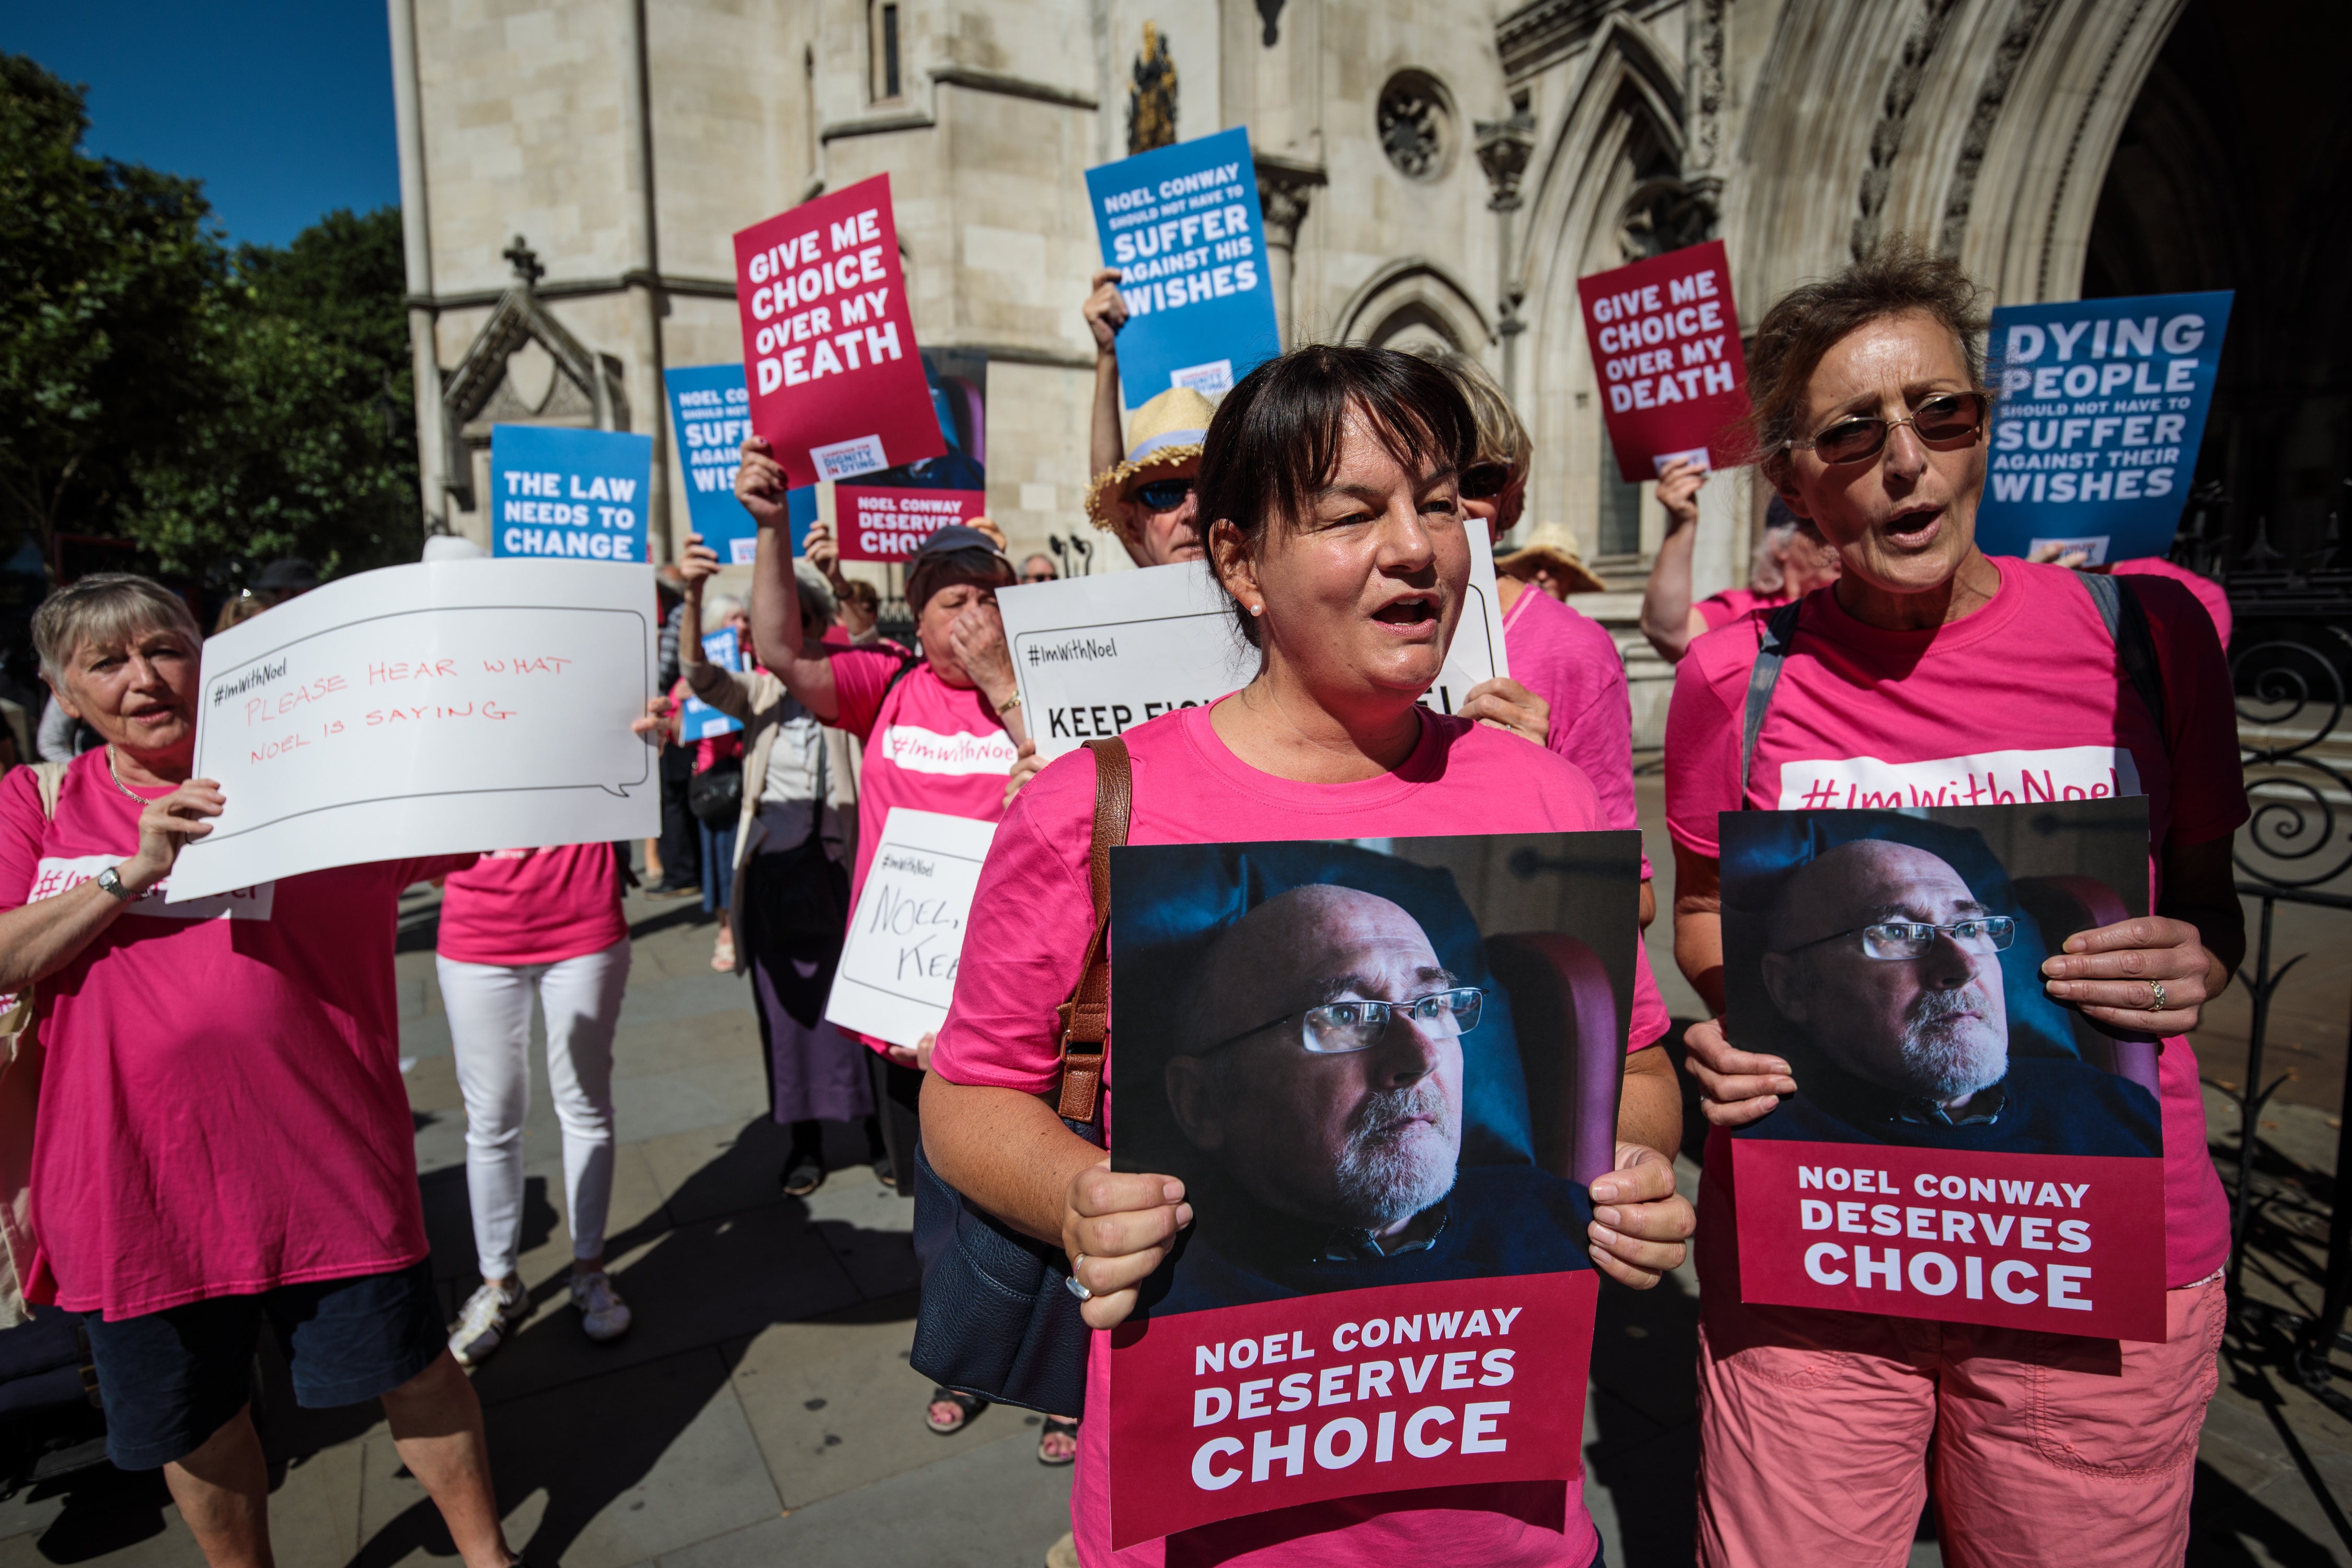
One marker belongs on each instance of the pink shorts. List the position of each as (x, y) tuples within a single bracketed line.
[(1814, 1430)]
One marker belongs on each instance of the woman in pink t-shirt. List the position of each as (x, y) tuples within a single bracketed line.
[(1928, 667), (222, 1137), (521, 921), (1330, 474)]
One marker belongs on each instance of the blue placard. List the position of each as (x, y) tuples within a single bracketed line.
[(576, 493), (711, 409), (2096, 433), (697, 719), (1181, 224)]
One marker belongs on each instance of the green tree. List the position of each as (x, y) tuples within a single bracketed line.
[(310, 447), (106, 276)]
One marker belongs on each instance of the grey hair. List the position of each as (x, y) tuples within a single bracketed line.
[(106, 608), (815, 591), (1765, 574), (718, 608)]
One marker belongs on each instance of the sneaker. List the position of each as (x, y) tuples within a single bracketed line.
[(489, 1315), (602, 1314)]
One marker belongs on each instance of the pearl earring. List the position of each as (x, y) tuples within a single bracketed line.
[(1257, 609)]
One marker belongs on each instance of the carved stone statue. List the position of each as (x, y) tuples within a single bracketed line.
[(1151, 103)]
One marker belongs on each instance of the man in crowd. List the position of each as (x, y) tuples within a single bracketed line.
[(1885, 967), (1038, 569), (1321, 1086), (1142, 489)]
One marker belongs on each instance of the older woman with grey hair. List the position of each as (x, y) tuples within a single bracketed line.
[(793, 839), (221, 1136)]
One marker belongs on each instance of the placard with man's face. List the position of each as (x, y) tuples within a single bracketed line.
[(1960, 1147), (1384, 1071)]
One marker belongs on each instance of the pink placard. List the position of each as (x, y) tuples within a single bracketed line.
[(890, 522), (1235, 1410), (1665, 344), (2065, 1244), (829, 342)]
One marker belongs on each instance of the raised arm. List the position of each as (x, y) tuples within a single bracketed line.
[(776, 638), (1106, 313), (1667, 618)]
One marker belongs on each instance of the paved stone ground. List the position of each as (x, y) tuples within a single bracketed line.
[(762, 1411)]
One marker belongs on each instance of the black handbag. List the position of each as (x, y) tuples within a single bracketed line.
[(997, 1317), (715, 795)]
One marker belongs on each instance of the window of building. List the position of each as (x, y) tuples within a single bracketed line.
[(1620, 509), (884, 45)]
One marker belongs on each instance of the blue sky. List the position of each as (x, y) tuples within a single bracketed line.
[(282, 109)]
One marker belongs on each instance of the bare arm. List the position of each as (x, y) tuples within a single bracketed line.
[(1106, 312), (806, 673), (41, 938), (1698, 924), (1667, 619)]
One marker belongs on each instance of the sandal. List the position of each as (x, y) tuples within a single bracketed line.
[(967, 1406), (804, 1173), (1057, 1427), (885, 1170)]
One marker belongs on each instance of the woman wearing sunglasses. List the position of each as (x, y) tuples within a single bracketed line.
[(1932, 671), (1329, 478)]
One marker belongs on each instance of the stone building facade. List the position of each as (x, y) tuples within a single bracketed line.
[(1428, 168)]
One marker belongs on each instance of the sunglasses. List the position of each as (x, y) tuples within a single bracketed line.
[(1163, 495), (1038, 577), (1484, 481), (1946, 416)]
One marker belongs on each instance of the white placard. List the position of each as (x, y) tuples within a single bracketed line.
[(1095, 655), (427, 709), (899, 965)]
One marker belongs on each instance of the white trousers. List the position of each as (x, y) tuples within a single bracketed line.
[(489, 1030)]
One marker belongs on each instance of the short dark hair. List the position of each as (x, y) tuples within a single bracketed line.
[(861, 591), (938, 570), (1276, 438), (1898, 277)]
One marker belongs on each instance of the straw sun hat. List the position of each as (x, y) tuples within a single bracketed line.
[(1550, 544), (1166, 432)]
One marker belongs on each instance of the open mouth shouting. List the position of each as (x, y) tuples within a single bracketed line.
[(1411, 616)]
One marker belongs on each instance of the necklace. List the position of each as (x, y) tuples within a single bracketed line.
[(114, 773)]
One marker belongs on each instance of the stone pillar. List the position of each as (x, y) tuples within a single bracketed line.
[(1284, 189), (416, 235), (1504, 146), (648, 398)]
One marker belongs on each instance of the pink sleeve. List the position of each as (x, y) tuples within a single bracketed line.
[(1702, 754), (407, 874), (2210, 593), (1599, 740), (860, 676), (1716, 611), (2209, 787), (21, 829), (1031, 914)]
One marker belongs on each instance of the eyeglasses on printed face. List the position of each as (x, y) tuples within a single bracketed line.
[(1163, 495), (1945, 416), (1913, 939), (1336, 1028), (1484, 481)]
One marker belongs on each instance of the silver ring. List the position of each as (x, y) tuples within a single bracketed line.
[(2156, 996), (1080, 1291)]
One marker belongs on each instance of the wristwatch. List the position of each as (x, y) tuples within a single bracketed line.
[(113, 884)]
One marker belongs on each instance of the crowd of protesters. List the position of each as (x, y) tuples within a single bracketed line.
[(191, 1054)]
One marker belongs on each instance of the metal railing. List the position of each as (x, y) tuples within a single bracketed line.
[(2297, 758)]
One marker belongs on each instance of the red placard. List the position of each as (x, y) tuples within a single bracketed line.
[(890, 522), (2065, 1244), (1666, 344), (829, 342), (1218, 1414)]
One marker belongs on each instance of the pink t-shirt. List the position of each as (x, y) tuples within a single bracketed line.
[(1035, 901), (1720, 610), (1566, 659), (533, 906), (2023, 699), (928, 745), (221, 1112), (2210, 593)]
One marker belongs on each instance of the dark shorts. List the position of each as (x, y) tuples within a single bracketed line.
[(171, 1379)]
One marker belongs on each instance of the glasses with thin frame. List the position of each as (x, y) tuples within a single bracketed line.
[(1914, 939), (1337, 1028), (1937, 417)]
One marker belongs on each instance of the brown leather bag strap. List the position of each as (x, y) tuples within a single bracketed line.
[(1085, 1016)]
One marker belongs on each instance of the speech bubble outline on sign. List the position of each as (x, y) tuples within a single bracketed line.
[(426, 710)]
